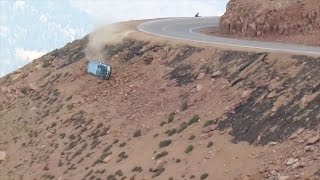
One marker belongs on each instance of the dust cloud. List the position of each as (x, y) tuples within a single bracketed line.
[(111, 34)]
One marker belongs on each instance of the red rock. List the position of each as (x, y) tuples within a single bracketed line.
[(313, 140)]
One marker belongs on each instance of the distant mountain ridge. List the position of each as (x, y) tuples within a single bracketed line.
[(53, 24)]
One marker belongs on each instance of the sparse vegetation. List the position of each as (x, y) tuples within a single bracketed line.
[(100, 125), (182, 127), (62, 135), (204, 176), (69, 98), (119, 173), (178, 160), (193, 120), (171, 117), (133, 177), (46, 63), (192, 176), (191, 137), (158, 172), (171, 132), (45, 114), (122, 144), (210, 144), (111, 177), (189, 149), (70, 106), (163, 123), (184, 105), (208, 123), (160, 155), (137, 169), (165, 143), (115, 141), (107, 148), (122, 156), (137, 133), (24, 90)]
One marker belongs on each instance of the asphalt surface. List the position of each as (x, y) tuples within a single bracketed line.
[(188, 29)]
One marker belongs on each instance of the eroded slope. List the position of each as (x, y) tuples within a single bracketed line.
[(157, 117)]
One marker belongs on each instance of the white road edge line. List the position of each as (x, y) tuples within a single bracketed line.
[(254, 47), (139, 27)]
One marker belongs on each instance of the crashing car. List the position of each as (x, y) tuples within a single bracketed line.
[(99, 69)]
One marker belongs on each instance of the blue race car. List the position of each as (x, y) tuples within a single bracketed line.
[(99, 69)]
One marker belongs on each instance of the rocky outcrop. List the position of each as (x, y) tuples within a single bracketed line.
[(254, 18)]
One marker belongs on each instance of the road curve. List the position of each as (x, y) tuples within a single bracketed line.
[(188, 29)]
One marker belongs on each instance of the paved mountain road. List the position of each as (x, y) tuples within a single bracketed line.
[(188, 29)]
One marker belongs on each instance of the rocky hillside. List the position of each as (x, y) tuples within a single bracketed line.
[(258, 18), (168, 112)]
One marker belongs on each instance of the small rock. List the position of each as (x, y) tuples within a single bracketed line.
[(159, 164), (206, 135), (297, 165), (308, 148), (198, 88), (291, 161), (284, 177), (210, 128), (246, 94), (3, 156), (216, 74), (262, 170), (33, 87), (48, 135), (201, 76), (300, 130), (313, 140), (273, 143), (148, 59), (273, 172), (107, 159)]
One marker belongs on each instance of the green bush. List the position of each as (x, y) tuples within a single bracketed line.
[(122, 144), (171, 117), (137, 169), (160, 155), (210, 144), (193, 120), (165, 143), (208, 123), (115, 141), (119, 173), (137, 133), (189, 149), (163, 123), (184, 105), (204, 176), (191, 137), (159, 171), (171, 132), (182, 127)]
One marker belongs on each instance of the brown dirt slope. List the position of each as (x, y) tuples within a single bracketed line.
[(168, 112), (293, 21)]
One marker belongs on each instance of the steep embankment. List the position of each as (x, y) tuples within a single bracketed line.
[(166, 112), (289, 21)]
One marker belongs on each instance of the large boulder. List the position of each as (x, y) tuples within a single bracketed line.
[(281, 17)]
